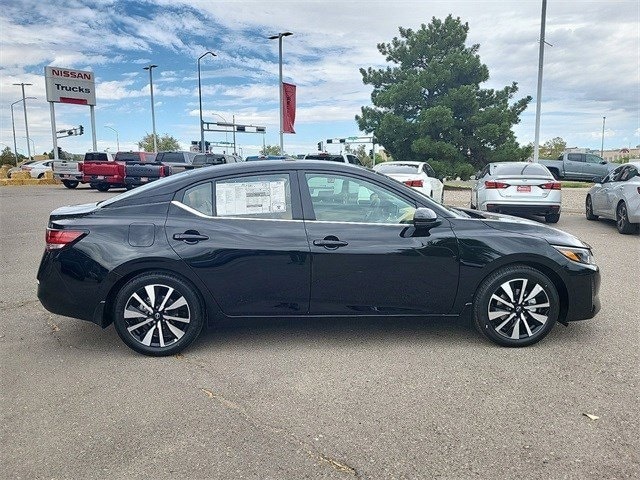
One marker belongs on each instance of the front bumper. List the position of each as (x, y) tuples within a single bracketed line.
[(583, 291)]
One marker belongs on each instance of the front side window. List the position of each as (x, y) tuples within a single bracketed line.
[(575, 157), (593, 159), (340, 198), (256, 196)]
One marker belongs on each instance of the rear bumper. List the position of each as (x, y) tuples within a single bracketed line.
[(521, 209), (139, 180), (68, 176)]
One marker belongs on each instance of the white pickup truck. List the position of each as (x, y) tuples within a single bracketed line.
[(70, 172)]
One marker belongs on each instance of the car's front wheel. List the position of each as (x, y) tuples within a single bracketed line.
[(588, 209), (516, 306), (622, 220), (552, 218), (158, 314), (103, 187)]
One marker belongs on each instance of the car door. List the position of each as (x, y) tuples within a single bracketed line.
[(244, 236), (615, 192), (593, 167), (574, 165), (600, 199), (367, 258)]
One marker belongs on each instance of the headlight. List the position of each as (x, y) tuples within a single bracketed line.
[(580, 255)]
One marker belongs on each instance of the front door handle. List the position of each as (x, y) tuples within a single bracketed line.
[(330, 243), (190, 237)]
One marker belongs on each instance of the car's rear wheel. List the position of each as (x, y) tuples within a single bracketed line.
[(552, 218), (70, 183), (516, 306), (103, 187), (588, 209), (40, 176), (622, 220), (158, 314)]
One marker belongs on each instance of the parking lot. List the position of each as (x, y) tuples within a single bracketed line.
[(328, 398)]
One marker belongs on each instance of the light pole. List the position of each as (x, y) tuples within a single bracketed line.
[(31, 142), (543, 21), (26, 123), (202, 149), (153, 115), (602, 144), (279, 37), (13, 126), (117, 136)]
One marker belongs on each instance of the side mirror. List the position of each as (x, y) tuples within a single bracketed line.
[(425, 217), (604, 162), (597, 179)]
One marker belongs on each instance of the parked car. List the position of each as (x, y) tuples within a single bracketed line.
[(37, 169), (518, 188), (240, 240), (177, 161), (104, 174), (334, 157), (204, 159), (418, 175), (18, 168), (577, 166), (617, 196)]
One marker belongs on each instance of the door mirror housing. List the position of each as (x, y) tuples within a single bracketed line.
[(597, 180), (425, 217)]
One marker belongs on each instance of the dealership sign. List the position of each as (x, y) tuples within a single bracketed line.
[(70, 86)]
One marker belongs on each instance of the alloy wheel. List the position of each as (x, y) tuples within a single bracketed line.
[(519, 309), (157, 315)]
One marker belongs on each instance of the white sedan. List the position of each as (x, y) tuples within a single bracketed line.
[(418, 175), (37, 169), (617, 196), (518, 188)]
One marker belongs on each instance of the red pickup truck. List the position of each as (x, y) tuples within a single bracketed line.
[(107, 174)]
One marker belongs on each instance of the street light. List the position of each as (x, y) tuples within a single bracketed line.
[(279, 37), (202, 147), (26, 123), (31, 142), (153, 115), (13, 126), (117, 136), (602, 144)]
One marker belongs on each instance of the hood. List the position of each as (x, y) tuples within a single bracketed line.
[(529, 228)]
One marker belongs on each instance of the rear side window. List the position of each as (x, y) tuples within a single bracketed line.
[(208, 159), (127, 157), (256, 196), (95, 157), (199, 198), (430, 171), (171, 157)]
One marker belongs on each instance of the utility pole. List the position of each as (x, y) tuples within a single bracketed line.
[(26, 123), (536, 143)]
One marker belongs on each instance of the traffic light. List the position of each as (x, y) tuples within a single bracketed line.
[(319, 146), (81, 130), (371, 153), (60, 155)]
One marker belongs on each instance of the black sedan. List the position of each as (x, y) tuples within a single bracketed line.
[(304, 238)]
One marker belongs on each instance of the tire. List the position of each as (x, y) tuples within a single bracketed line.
[(622, 220), (103, 187), (158, 333), (128, 186), (70, 183), (552, 218), (555, 174), (502, 292), (588, 209), (40, 176)]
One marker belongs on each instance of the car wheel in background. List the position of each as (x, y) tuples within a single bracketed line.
[(158, 314), (103, 187), (552, 218), (588, 209), (41, 176), (622, 220), (516, 306), (70, 183)]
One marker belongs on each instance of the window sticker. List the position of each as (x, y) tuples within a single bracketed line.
[(246, 198)]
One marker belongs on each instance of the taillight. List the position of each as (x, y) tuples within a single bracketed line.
[(27, 168), (57, 239), (80, 167), (413, 183), (551, 186), (496, 185)]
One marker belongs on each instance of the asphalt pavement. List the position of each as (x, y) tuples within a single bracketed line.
[(295, 399)]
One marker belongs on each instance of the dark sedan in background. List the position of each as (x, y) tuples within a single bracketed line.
[(304, 238)]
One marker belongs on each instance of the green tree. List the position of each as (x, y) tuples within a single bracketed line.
[(553, 148), (165, 143), (7, 157), (270, 150), (429, 104)]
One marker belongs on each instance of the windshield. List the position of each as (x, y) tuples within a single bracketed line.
[(331, 158), (393, 167), (127, 157), (208, 159), (521, 169)]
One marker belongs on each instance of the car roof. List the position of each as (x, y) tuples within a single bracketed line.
[(400, 162)]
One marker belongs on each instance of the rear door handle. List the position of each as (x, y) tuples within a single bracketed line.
[(330, 244), (190, 237)]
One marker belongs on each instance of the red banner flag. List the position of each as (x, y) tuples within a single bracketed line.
[(288, 107)]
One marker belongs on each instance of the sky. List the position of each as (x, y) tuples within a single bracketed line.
[(591, 69)]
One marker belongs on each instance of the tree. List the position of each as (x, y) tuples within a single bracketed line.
[(553, 148), (270, 150), (166, 143), (7, 157), (430, 106)]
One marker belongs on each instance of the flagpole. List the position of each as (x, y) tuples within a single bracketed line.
[(279, 37)]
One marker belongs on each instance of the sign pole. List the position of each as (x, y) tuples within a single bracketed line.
[(52, 110), (93, 128)]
